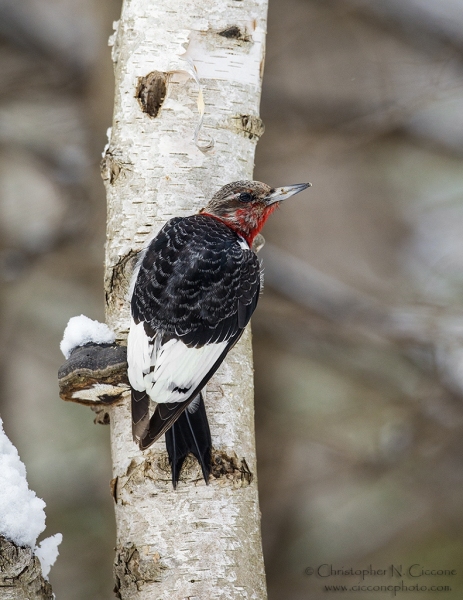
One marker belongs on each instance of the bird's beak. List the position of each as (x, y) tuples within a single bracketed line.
[(279, 194)]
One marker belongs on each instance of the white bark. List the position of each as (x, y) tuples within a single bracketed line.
[(199, 541)]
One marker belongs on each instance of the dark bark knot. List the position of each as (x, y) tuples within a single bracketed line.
[(229, 466), (250, 126), (113, 167), (133, 567), (117, 285), (151, 92), (227, 469), (235, 33)]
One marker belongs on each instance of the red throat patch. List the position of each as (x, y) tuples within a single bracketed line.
[(247, 223)]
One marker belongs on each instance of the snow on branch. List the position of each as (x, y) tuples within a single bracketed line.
[(22, 516), (82, 330)]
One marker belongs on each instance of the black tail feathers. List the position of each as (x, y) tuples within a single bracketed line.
[(190, 433), (140, 414)]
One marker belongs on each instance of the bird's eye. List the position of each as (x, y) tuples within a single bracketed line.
[(245, 197)]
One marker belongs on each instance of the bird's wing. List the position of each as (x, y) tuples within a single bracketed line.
[(196, 290)]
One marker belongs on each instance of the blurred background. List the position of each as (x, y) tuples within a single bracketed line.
[(359, 335)]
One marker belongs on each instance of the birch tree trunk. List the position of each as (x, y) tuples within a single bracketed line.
[(198, 542)]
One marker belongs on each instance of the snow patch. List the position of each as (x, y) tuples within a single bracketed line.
[(22, 518), (82, 330), (112, 37), (47, 552), (108, 135)]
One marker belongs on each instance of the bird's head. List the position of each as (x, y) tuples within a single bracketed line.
[(245, 205)]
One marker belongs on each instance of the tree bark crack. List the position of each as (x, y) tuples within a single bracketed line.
[(21, 574)]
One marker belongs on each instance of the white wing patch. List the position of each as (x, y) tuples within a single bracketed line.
[(178, 370), (168, 372), (243, 243), (139, 355)]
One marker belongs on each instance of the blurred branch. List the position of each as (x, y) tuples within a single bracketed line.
[(339, 302), (62, 35), (424, 24), (433, 327)]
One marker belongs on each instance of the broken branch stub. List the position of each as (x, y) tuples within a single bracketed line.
[(20, 574), (151, 92)]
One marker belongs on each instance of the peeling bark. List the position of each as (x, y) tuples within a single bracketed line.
[(198, 541), (21, 574)]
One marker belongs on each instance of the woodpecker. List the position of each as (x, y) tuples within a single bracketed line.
[(195, 288)]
